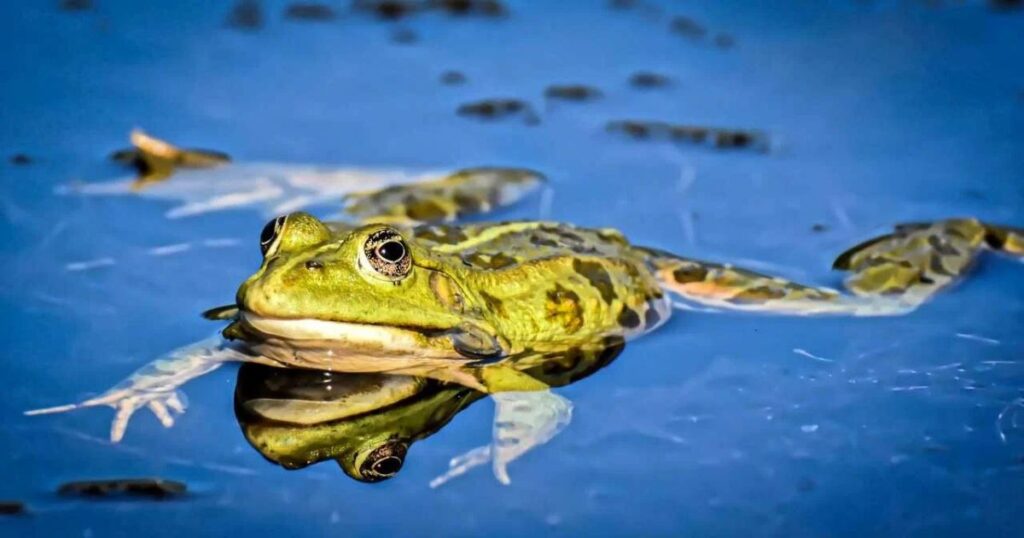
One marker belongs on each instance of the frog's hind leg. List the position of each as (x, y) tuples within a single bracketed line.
[(889, 275), (465, 192), (725, 287)]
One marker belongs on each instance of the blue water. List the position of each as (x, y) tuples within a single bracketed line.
[(717, 425)]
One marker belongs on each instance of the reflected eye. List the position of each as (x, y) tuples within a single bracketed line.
[(270, 234), (387, 254), (384, 462)]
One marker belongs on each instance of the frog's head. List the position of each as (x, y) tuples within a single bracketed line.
[(368, 287)]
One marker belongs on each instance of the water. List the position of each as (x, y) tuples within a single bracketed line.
[(718, 424)]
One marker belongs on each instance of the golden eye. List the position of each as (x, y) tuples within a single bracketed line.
[(269, 235), (387, 254)]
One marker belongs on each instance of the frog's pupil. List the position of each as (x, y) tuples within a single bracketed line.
[(269, 233), (392, 251), (388, 466)]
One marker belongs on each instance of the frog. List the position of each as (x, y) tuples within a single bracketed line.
[(405, 287), (200, 181), (368, 423)]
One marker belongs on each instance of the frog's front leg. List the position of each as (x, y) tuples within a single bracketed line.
[(155, 385)]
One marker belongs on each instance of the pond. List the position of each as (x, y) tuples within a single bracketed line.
[(771, 137)]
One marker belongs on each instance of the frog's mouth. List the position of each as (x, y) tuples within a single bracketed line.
[(340, 333), (465, 341)]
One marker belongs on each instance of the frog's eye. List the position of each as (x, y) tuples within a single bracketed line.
[(384, 462), (268, 237), (387, 255)]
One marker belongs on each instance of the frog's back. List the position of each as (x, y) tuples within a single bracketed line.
[(552, 284)]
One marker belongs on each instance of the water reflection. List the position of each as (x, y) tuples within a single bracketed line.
[(368, 423)]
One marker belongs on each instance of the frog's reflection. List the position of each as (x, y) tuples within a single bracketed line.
[(368, 422)]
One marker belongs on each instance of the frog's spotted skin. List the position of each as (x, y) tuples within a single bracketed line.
[(478, 304), (465, 192)]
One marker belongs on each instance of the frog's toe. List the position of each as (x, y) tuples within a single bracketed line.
[(162, 414), (160, 403)]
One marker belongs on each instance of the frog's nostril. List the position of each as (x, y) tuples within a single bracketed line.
[(314, 265)]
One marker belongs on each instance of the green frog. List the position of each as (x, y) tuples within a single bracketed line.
[(403, 289)]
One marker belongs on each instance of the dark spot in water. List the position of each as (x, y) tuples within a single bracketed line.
[(818, 228), (572, 92), (386, 9), (21, 159), (487, 8), (628, 318), (622, 4), (453, 78), (635, 129), (647, 79), (806, 485), (683, 133), (687, 27), (245, 15), (499, 108), (1005, 5), (156, 488), (309, 12), (597, 276), (404, 36), (733, 139), (719, 137), (724, 41), (11, 508), (76, 5), (393, 9)]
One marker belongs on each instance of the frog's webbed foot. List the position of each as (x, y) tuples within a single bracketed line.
[(125, 403), (465, 192), (914, 262), (522, 421), (155, 385)]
